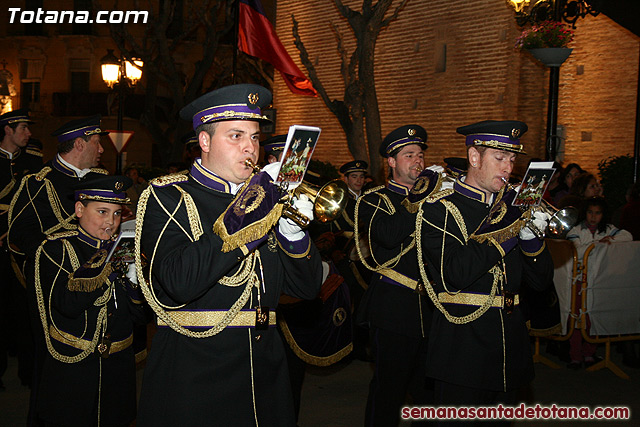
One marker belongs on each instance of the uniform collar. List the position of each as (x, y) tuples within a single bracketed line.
[(61, 165), (398, 188), (210, 180), (353, 194), (7, 155), (469, 191), (85, 237)]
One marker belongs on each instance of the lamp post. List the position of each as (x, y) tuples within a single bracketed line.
[(551, 10), (125, 74)]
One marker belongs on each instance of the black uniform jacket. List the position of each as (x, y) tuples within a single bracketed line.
[(12, 168), (475, 354), (43, 204), (68, 393), (388, 303), (239, 376)]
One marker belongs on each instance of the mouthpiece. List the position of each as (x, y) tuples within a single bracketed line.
[(504, 180), (107, 230), (248, 162)]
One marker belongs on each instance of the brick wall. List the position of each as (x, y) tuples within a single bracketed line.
[(485, 78)]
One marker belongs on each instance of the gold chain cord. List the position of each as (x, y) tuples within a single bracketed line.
[(245, 275), (52, 196), (391, 210), (101, 301), (497, 276), (495, 270)]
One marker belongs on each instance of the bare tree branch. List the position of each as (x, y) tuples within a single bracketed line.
[(359, 109)]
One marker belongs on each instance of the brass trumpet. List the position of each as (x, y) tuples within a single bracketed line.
[(560, 220), (328, 201)]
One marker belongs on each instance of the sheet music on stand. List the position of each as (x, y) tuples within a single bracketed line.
[(534, 184), (123, 248)]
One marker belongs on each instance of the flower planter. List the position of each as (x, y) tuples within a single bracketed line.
[(551, 56)]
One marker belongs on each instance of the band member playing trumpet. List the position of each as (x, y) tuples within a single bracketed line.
[(397, 313), (219, 256), (477, 248), (87, 308)]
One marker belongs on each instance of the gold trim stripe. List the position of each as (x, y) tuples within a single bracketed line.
[(466, 298), (204, 319), (82, 344), (499, 145), (231, 114)]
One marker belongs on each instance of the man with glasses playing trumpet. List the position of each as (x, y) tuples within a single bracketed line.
[(479, 248), (217, 256)]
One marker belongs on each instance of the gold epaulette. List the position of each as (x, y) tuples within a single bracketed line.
[(100, 171), (62, 235), (434, 197), (174, 178), (34, 151), (43, 172), (373, 190)]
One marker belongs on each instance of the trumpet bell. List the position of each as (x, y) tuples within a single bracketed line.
[(562, 221), (328, 201)]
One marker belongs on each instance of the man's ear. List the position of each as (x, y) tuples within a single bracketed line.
[(391, 161), (8, 130), (79, 208), (79, 144), (474, 157), (204, 140)]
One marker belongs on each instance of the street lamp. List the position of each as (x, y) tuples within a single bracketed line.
[(125, 74), (549, 10)]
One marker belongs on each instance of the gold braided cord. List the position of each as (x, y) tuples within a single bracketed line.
[(457, 215), (310, 358), (389, 210), (101, 301), (192, 214), (7, 189), (244, 275), (54, 202), (56, 207), (458, 320), (13, 203)]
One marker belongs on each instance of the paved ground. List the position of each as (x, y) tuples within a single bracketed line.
[(336, 396)]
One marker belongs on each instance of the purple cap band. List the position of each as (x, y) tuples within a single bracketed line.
[(79, 133), (227, 112)]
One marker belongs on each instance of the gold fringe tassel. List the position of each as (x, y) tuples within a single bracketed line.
[(89, 284), (249, 233)]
